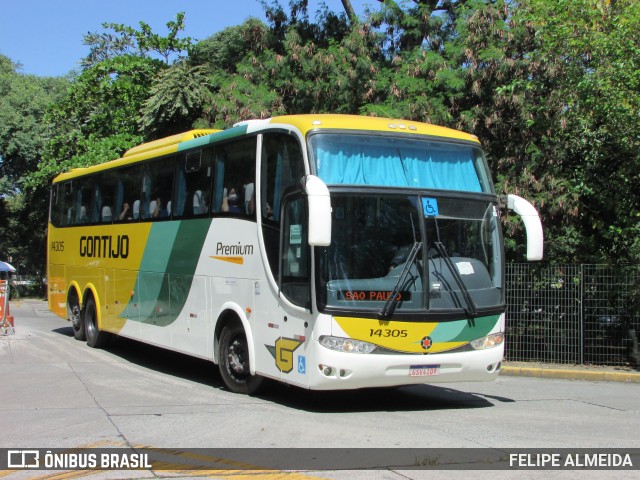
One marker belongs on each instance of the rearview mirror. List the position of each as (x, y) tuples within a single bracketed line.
[(532, 224), (319, 211)]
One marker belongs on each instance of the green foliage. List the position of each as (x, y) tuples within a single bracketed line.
[(238, 99), (225, 49), (105, 99), (24, 235), (595, 47), (126, 41), (99, 111), (24, 100), (176, 100), (90, 150), (338, 78), (328, 26)]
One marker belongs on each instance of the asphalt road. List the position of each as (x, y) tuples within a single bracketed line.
[(56, 392)]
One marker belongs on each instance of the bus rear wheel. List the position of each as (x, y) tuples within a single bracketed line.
[(95, 337), (75, 317), (234, 361)]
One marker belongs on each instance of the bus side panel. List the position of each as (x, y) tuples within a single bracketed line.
[(84, 277), (268, 325), (57, 290), (108, 300), (127, 321), (190, 332), (155, 308)]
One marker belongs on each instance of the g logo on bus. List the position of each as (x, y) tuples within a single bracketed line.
[(283, 353)]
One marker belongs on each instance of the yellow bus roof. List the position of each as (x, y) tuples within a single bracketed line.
[(164, 142), (308, 122)]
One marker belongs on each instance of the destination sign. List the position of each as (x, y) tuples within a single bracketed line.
[(371, 296)]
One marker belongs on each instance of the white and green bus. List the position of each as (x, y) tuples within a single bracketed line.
[(324, 251)]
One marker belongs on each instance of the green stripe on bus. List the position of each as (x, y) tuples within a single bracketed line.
[(176, 251), (476, 328), (446, 331)]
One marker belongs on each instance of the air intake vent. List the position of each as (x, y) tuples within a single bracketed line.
[(167, 141)]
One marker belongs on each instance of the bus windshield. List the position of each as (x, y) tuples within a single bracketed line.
[(398, 161), (434, 253)]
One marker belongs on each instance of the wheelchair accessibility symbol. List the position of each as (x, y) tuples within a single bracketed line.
[(430, 207), (302, 365)]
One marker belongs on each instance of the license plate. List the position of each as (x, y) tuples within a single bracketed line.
[(424, 370)]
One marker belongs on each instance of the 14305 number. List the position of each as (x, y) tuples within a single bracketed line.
[(387, 332)]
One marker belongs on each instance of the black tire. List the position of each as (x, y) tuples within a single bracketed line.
[(74, 315), (234, 361), (95, 337)]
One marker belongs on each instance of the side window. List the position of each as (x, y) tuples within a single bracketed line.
[(193, 184), (282, 166), (55, 205), (104, 198), (68, 204), (83, 203), (234, 184), (128, 198), (295, 276), (157, 189)]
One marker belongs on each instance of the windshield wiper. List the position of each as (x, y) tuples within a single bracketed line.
[(471, 310), (390, 305)]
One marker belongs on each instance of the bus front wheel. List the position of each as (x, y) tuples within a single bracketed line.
[(95, 337), (234, 361)]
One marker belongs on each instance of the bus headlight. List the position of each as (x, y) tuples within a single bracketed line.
[(489, 341), (346, 345)]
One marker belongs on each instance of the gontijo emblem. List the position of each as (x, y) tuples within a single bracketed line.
[(282, 351)]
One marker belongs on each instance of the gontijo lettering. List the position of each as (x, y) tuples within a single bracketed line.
[(104, 246)]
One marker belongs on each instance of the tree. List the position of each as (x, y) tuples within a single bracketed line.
[(125, 41), (177, 99), (100, 107), (228, 47), (598, 45), (98, 119), (508, 100), (328, 26), (552, 92), (294, 66), (24, 100)]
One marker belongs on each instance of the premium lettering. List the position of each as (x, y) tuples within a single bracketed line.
[(104, 246), (239, 249)]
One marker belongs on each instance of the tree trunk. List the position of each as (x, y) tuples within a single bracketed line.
[(349, 9)]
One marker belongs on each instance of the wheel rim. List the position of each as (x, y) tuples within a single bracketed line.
[(238, 359), (74, 316)]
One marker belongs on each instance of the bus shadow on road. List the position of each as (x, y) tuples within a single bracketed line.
[(407, 398), (159, 359)]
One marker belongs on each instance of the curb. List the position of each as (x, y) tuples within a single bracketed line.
[(568, 374)]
